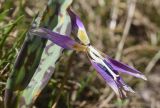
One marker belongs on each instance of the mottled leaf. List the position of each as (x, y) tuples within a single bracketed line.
[(37, 58)]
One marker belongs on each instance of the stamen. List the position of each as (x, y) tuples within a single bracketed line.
[(99, 59)]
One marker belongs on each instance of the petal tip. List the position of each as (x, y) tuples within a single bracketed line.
[(142, 76), (132, 91)]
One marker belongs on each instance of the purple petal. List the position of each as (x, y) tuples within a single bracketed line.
[(123, 85), (76, 22), (78, 28), (61, 40), (118, 66), (109, 80)]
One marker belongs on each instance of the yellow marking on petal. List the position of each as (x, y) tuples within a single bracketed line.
[(79, 47), (83, 37)]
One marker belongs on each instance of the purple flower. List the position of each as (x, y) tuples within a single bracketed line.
[(105, 66), (109, 68)]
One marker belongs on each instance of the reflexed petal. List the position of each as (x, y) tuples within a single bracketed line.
[(110, 81), (78, 28), (61, 40), (118, 66)]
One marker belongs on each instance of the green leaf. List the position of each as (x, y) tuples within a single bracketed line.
[(36, 61)]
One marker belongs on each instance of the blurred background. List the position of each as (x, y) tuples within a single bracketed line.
[(127, 30)]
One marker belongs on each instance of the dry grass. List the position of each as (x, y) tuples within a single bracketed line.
[(118, 29)]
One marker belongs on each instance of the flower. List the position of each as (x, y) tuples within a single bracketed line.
[(107, 67)]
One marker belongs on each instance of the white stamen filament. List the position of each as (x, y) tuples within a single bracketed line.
[(99, 59)]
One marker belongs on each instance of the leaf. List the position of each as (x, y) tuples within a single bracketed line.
[(8, 30), (37, 58)]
